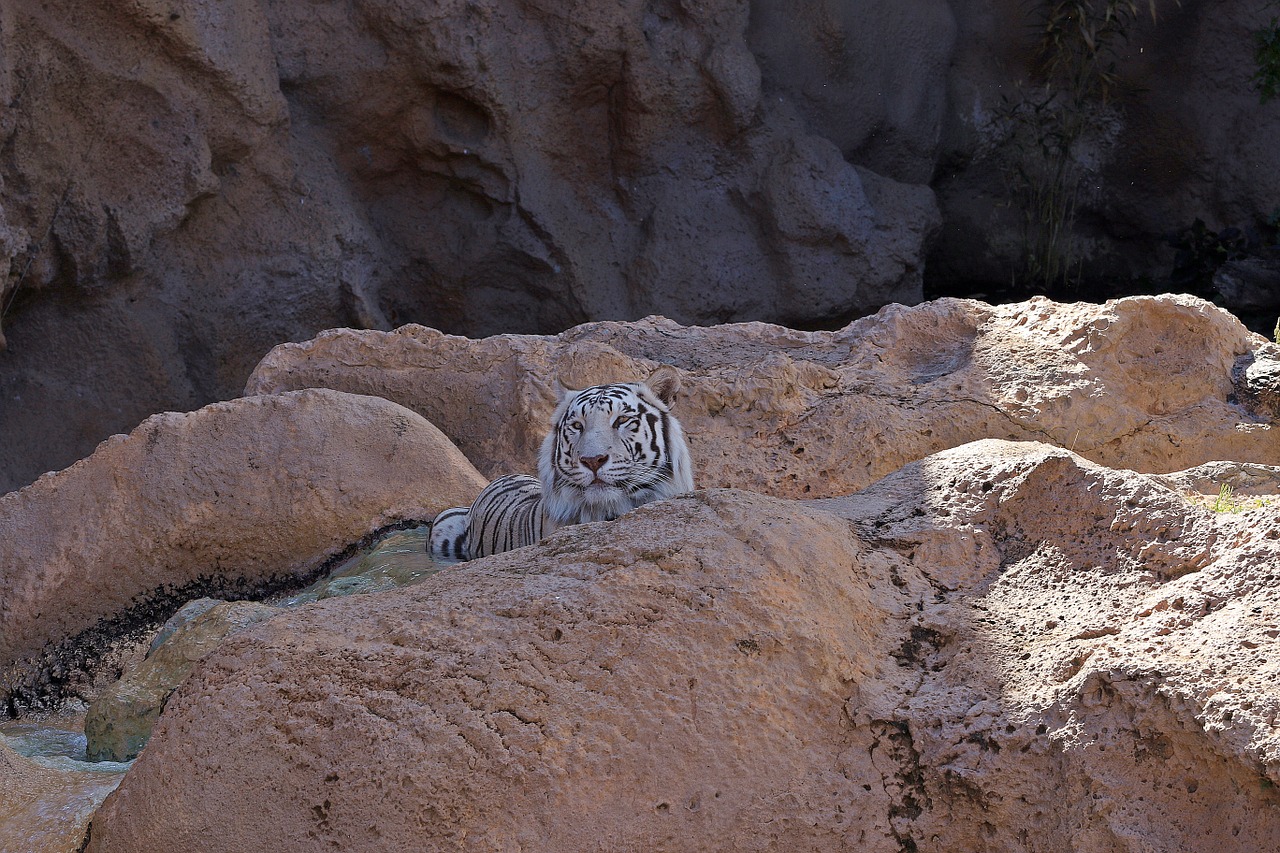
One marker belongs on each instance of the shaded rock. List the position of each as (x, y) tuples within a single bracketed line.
[(1181, 137), (235, 496), (827, 61), (195, 182), (119, 721), (1142, 383), (1249, 284), (186, 614), (1240, 477), (1256, 379), (989, 650)]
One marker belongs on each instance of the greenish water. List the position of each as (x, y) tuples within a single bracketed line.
[(48, 791), (398, 559), (55, 743)]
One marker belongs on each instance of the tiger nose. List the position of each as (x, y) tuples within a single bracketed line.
[(594, 462)]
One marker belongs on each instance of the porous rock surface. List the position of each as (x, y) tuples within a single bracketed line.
[(1148, 383), (999, 647), (244, 493)]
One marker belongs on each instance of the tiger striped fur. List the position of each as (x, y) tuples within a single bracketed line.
[(611, 448)]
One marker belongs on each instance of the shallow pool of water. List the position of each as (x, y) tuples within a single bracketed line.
[(398, 559), (48, 791)]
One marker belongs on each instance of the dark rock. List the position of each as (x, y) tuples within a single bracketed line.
[(1249, 284)]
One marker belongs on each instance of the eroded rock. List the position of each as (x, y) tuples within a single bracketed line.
[(119, 721), (1143, 383), (234, 497), (1002, 646)]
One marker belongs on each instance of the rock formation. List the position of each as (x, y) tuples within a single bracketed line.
[(120, 719), (951, 645), (185, 184), (43, 810), (231, 498), (1153, 384), (989, 650)]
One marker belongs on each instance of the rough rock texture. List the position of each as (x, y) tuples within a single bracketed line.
[(246, 491), (119, 721), (1000, 647), (883, 108), (1143, 383), (1240, 477), (1257, 379), (185, 184)]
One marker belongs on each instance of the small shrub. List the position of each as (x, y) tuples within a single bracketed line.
[(1228, 501), (1266, 54)]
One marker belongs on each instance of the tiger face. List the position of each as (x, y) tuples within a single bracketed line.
[(612, 448)]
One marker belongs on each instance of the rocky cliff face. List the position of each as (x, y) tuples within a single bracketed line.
[(183, 185)]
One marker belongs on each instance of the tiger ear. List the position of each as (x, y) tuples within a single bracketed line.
[(665, 382), (563, 391)]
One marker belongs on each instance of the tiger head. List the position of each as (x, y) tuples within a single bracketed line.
[(612, 448)]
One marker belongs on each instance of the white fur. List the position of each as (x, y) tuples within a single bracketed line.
[(581, 494)]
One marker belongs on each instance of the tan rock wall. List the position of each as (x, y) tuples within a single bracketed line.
[(1142, 383)]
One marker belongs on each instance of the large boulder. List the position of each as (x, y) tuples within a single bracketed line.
[(230, 498), (999, 647), (1148, 383)]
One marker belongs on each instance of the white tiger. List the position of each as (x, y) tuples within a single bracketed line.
[(611, 448)]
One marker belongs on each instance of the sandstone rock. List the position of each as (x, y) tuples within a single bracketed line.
[(234, 495), (705, 682), (1240, 477), (119, 721), (1142, 383), (999, 647), (1060, 699)]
